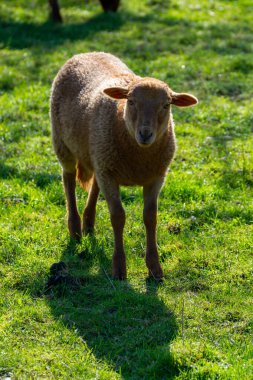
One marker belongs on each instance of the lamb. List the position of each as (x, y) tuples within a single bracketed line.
[(111, 127)]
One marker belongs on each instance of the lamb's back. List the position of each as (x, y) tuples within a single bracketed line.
[(77, 97), (82, 76)]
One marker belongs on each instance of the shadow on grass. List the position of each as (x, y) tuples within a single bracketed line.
[(41, 179), (211, 212), (129, 329), (20, 35), (48, 35)]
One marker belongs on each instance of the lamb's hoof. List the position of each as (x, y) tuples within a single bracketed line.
[(119, 266), (119, 278), (119, 274), (88, 230), (156, 274), (75, 233), (76, 237), (75, 229)]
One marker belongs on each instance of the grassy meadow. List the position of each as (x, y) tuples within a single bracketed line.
[(198, 323)]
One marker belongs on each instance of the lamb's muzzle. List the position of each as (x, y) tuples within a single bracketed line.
[(145, 135), (111, 127)]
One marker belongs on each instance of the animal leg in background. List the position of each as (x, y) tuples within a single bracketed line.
[(150, 194), (55, 10), (110, 5)]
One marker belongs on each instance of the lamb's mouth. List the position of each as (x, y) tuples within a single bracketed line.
[(144, 145)]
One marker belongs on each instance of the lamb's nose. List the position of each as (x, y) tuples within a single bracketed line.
[(145, 135)]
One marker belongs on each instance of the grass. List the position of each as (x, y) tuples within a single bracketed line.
[(197, 324)]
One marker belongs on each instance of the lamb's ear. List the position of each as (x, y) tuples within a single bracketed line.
[(116, 92), (183, 100)]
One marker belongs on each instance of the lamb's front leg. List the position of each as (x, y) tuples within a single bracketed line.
[(150, 194), (117, 214)]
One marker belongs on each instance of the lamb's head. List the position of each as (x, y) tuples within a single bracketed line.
[(147, 110)]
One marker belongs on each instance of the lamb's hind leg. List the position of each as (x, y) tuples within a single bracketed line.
[(68, 163), (90, 209), (74, 221)]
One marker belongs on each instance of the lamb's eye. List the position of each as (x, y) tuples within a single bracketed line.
[(130, 102), (166, 106)]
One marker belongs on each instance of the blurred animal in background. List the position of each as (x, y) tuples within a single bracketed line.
[(108, 6)]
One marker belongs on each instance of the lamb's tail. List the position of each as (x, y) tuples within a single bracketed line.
[(84, 177)]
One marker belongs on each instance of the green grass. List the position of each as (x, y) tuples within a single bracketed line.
[(198, 323)]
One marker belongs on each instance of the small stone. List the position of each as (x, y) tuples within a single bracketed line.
[(208, 140), (174, 228)]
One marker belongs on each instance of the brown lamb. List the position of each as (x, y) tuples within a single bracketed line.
[(111, 127)]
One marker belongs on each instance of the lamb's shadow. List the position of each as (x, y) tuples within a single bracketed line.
[(48, 35), (129, 329)]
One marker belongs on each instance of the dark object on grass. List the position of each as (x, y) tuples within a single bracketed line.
[(58, 267), (58, 274), (82, 255), (107, 5)]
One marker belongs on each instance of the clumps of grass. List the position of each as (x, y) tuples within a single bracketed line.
[(174, 228)]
